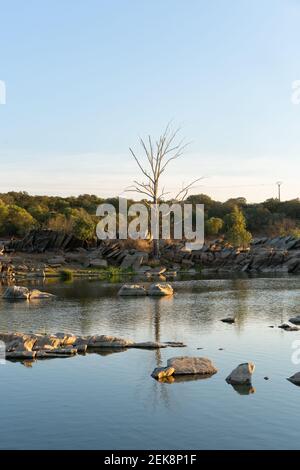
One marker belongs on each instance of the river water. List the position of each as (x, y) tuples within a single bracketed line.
[(110, 401)]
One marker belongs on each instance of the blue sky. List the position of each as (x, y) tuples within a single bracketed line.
[(86, 78)]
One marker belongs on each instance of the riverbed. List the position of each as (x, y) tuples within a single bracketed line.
[(110, 401)]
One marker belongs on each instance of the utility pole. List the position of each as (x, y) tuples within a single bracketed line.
[(279, 183)]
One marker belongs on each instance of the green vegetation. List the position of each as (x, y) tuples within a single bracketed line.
[(237, 234), (20, 212), (66, 275)]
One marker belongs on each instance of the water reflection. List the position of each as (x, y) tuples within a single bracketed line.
[(244, 389)]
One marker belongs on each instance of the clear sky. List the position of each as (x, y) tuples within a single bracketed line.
[(86, 78)]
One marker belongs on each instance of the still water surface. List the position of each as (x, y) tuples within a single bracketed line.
[(109, 401)]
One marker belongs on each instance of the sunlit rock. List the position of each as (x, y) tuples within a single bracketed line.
[(37, 294), (192, 365), (162, 372), (160, 290), (104, 341)]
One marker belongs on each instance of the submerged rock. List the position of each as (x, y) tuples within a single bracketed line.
[(132, 290), (242, 374), (162, 372), (160, 290), (192, 365), (149, 345)]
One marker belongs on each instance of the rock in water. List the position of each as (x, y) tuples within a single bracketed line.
[(184, 365), (132, 290), (287, 327), (228, 320), (16, 293), (295, 379), (242, 374), (20, 354), (295, 320), (37, 294), (162, 372), (160, 289), (149, 345), (104, 341)]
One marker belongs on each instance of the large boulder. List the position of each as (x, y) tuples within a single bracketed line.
[(16, 293), (160, 290), (242, 374), (185, 365), (132, 290), (104, 341)]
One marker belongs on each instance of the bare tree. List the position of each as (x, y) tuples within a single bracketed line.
[(157, 156)]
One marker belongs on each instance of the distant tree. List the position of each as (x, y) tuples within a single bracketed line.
[(84, 227), (60, 223), (237, 233), (213, 226), (18, 221), (3, 217)]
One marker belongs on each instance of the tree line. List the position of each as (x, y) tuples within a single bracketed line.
[(21, 212)]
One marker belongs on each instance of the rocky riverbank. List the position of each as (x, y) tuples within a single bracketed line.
[(34, 257)]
